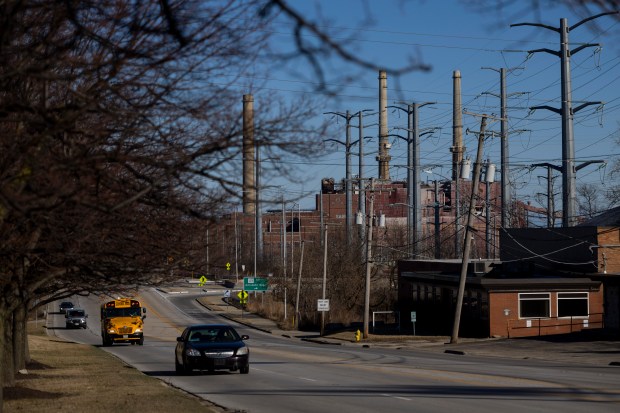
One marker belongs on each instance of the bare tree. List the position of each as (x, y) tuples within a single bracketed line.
[(588, 201), (122, 134), (115, 140)]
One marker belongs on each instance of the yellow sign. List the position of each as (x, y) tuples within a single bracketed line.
[(227, 266), (243, 296), (202, 281)]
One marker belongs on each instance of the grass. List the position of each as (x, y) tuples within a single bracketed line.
[(72, 377)]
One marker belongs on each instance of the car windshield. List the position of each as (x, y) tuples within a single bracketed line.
[(213, 335), (66, 305), (76, 313)]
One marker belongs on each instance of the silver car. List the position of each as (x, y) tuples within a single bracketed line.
[(76, 318)]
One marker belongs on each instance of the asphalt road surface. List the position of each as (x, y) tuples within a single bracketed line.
[(290, 375)]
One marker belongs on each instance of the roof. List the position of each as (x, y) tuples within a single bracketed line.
[(609, 218)]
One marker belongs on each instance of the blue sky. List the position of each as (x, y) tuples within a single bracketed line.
[(448, 36)]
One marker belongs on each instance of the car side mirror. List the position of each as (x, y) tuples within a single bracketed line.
[(180, 339), (245, 337)]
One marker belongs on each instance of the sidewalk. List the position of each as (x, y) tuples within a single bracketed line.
[(584, 348)]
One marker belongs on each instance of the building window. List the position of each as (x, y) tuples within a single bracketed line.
[(534, 305), (572, 304)]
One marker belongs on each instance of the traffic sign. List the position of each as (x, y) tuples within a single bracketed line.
[(255, 284), (202, 281), (227, 294), (322, 305), (413, 316), (243, 296)]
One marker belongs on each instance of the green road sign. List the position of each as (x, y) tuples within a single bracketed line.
[(255, 284)]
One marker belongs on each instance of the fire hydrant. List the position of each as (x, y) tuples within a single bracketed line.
[(358, 335)]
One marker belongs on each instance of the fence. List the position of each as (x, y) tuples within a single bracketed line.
[(554, 325)]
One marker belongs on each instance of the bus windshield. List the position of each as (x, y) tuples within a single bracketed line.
[(121, 312)]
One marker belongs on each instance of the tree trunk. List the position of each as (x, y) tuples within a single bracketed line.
[(7, 368), (20, 337)]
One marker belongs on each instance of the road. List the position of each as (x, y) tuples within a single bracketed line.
[(289, 375)]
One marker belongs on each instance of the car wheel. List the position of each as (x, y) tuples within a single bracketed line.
[(245, 369), (141, 341), (180, 368), (107, 341)]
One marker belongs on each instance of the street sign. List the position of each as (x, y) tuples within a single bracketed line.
[(243, 296), (322, 305), (202, 281), (227, 294), (413, 316), (255, 284)]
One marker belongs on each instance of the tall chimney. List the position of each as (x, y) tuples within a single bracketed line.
[(457, 148), (384, 144), (249, 186)]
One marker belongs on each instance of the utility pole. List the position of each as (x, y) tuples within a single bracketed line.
[(505, 190), (369, 259), (258, 230), (550, 194), (348, 181), (414, 208), (489, 178), (301, 263), (361, 202), (324, 280), (437, 223), (468, 229), (567, 112)]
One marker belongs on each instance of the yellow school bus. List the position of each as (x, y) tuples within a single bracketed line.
[(122, 321)]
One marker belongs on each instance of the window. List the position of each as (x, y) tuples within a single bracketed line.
[(572, 304), (534, 305)]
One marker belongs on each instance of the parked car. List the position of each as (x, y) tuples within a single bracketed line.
[(211, 347), (76, 317), (65, 305)]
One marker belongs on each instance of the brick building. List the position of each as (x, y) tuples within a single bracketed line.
[(547, 281)]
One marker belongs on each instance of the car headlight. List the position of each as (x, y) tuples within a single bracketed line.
[(112, 331), (138, 330), (243, 351), (192, 352)]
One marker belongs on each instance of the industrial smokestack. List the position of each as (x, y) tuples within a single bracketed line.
[(457, 148), (249, 186), (384, 144)]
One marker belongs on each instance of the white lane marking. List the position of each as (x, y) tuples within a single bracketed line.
[(306, 378), (284, 374), (396, 397)]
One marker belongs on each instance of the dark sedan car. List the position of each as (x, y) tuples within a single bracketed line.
[(211, 347), (65, 305)]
